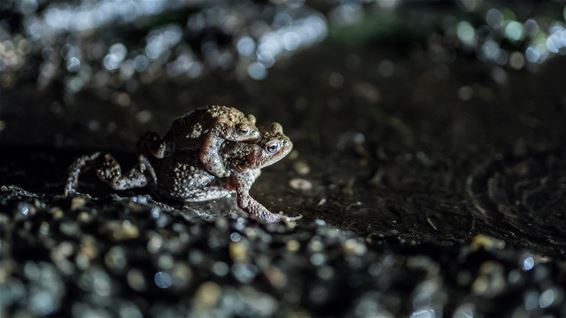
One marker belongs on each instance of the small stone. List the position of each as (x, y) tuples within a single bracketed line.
[(549, 298), (220, 269), (165, 261), (77, 203), (244, 272), (301, 167), (129, 310), (155, 243), (56, 212), (355, 247), (487, 242), (115, 259), (527, 262), (181, 274), (88, 247), (293, 246), (69, 228), (136, 280), (276, 277), (24, 211), (97, 281), (238, 252), (294, 154), (85, 217), (300, 184), (490, 281), (42, 302), (207, 295), (317, 259), (162, 280), (121, 231), (315, 245), (82, 262), (261, 304), (62, 252)]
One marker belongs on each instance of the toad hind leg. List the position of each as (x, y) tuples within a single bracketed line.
[(110, 172), (83, 163)]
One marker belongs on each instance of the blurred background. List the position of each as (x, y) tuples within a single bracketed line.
[(103, 72), (414, 122)]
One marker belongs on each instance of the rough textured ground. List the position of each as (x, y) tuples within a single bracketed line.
[(402, 170)]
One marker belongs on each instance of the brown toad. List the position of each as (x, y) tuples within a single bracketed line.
[(182, 177)]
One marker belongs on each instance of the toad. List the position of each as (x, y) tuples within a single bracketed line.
[(182, 177), (204, 129)]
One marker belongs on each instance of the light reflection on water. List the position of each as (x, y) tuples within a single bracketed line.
[(82, 41), (79, 41), (89, 15)]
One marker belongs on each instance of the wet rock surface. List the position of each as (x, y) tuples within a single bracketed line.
[(124, 257)]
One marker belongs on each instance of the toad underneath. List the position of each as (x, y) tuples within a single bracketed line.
[(182, 177)]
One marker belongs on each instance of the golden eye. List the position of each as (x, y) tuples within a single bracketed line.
[(272, 146)]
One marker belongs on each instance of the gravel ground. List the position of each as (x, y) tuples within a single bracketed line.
[(122, 257)]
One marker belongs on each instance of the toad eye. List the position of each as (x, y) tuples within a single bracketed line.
[(272, 146), (244, 130)]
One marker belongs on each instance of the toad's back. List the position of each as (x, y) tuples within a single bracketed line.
[(187, 132)]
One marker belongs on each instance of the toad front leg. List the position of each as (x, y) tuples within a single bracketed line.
[(209, 155), (110, 172), (243, 182)]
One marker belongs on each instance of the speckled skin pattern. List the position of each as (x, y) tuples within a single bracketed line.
[(182, 176), (109, 171), (205, 129)]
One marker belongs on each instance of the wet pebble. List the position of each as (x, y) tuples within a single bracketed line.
[(77, 203), (207, 295), (300, 184), (121, 230), (238, 252), (24, 211), (490, 281), (115, 259), (136, 280), (301, 167)]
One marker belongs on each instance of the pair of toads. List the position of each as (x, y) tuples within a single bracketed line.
[(207, 154)]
